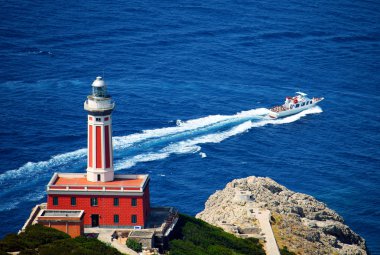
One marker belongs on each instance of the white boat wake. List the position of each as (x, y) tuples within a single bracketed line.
[(149, 145), (193, 145)]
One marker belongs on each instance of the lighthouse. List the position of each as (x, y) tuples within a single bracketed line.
[(98, 198), (99, 107)]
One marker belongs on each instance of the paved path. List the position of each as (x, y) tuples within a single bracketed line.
[(105, 237), (263, 216)]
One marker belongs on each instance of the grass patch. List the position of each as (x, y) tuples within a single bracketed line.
[(196, 237)]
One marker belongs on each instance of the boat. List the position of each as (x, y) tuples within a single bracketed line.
[(293, 105)]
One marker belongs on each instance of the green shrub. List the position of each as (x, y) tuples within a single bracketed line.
[(11, 242), (29, 252), (217, 249), (77, 246), (179, 247), (134, 245), (96, 245), (200, 237), (37, 235), (62, 247), (51, 241)]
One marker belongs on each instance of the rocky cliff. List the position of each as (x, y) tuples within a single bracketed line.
[(299, 221)]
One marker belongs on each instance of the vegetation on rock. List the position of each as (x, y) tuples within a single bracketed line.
[(193, 236), (299, 221), (134, 245), (40, 240)]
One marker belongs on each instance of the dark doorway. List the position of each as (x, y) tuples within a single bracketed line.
[(94, 220)]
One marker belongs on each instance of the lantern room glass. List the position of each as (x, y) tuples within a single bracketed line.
[(99, 91)]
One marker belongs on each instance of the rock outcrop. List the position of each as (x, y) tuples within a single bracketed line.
[(299, 221)]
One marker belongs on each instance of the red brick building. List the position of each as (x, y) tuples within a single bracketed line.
[(108, 200)]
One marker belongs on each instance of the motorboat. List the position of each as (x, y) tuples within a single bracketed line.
[(293, 105)]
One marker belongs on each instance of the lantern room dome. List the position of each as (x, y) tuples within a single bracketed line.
[(99, 82)]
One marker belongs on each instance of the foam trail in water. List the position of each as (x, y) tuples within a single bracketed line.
[(30, 196), (188, 143), (43, 166), (122, 142), (192, 145), (182, 147)]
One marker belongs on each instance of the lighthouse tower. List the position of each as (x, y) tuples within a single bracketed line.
[(99, 106), (98, 198)]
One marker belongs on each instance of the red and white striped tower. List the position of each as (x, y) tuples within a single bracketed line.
[(99, 106)]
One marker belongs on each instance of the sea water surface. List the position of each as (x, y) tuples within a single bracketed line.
[(192, 81)]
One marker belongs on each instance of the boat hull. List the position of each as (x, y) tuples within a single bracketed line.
[(293, 111)]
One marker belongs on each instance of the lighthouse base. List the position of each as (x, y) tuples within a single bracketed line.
[(99, 176), (121, 203)]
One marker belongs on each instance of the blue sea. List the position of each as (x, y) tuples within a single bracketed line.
[(191, 81)]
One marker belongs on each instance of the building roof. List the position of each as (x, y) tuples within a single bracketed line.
[(62, 180), (76, 183), (142, 234), (60, 215)]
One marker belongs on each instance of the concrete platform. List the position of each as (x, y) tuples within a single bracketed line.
[(161, 222)]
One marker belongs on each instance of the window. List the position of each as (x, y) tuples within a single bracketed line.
[(94, 201), (55, 200), (73, 201), (297, 105), (302, 104), (116, 218), (116, 201), (134, 202), (98, 177), (134, 218), (98, 119), (311, 102)]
